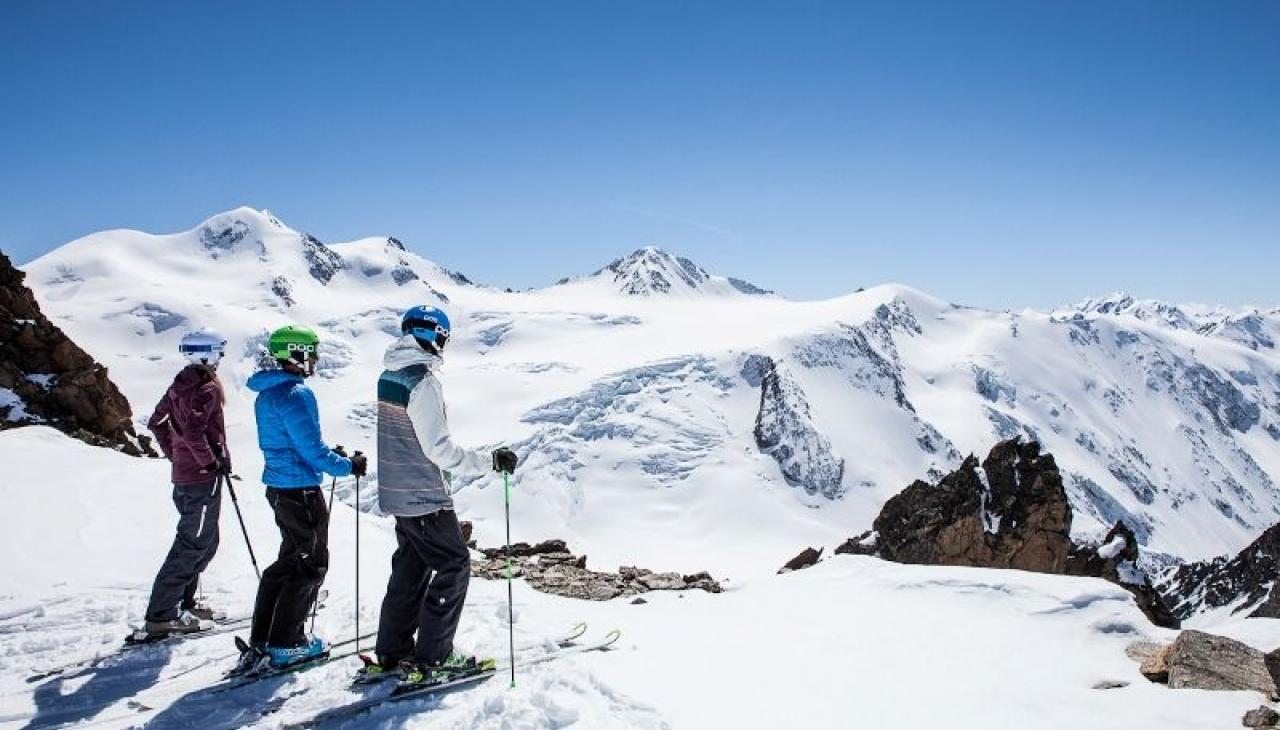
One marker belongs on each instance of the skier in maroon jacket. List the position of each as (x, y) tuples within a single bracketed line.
[(189, 427)]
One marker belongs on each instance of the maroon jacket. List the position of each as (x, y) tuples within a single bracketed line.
[(188, 425)]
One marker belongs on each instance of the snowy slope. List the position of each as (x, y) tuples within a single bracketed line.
[(853, 642), (635, 402), (700, 426)]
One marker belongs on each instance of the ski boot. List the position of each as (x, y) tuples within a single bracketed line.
[(253, 659), (378, 670), (185, 623), (454, 666), (206, 613), (283, 657)]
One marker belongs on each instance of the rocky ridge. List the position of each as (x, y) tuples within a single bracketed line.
[(45, 378), (1009, 511), (1244, 583)]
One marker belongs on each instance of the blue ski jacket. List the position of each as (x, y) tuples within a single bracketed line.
[(289, 433)]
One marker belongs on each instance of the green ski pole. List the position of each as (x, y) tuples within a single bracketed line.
[(511, 611)]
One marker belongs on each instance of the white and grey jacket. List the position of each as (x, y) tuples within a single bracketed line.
[(414, 444)]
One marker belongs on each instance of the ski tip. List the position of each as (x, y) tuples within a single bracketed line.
[(138, 636), (45, 674)]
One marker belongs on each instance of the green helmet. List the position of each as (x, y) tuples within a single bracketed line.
[(294, 343)]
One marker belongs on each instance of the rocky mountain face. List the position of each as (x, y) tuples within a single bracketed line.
[(1245, 582), (45, 378), (785, 430), (1010, 511), (1252, 327)]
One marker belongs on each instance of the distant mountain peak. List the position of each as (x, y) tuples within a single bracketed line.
[(653, 271), (1151, 310), (650, 270)]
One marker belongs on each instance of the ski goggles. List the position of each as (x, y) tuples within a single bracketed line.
[(303, 351), (193, 349), (429, 331)]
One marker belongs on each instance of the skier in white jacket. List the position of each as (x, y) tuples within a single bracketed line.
[(414, 450)]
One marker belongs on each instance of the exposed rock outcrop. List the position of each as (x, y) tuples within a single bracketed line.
[(1116, 560), (1010, 511), (805, 559), (1199, 660), (1247, 581), (785, 430), (549, 567), (1261, 717), (864, 544), (1156, 666), (45, 378)]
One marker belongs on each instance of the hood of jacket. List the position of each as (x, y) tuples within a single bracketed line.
[(405, 352), (190, 379), (268, 379)]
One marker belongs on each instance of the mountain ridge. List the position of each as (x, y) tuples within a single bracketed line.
[(1172, 429)]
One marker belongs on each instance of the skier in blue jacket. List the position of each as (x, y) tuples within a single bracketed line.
[(295, 462)]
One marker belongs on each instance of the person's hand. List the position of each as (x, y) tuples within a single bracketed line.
[(359, 464), (505, 460), (221, 465), (340, 451)]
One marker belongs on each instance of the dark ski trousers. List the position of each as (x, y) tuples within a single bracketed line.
[(193, 547), (289, 585), (429, 574)]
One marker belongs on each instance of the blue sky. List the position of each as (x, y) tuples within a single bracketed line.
[(1001, 154)]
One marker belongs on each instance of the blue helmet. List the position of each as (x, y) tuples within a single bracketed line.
[(429, 325)]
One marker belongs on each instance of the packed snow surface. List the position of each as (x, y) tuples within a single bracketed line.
[(852, 641), (635, 410)]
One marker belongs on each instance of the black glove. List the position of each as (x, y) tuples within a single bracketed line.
[(340, 451), (221, 465), (505, 460), (359, 464)]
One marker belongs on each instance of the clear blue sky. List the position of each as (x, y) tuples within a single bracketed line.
[(997, 154)]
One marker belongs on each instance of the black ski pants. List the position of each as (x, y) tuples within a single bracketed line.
[(193, 547), (429, 574), (289, 585)]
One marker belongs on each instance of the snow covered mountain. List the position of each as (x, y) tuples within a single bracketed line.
[(637, 393), (673, 419), (650, 271)]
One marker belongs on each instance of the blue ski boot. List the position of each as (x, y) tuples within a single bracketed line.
[(283, 657)]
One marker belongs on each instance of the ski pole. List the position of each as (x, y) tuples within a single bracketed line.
[(511, 610), (226, 479), (357, 502), (315, 607)]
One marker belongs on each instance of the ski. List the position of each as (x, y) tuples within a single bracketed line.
[(138, 707), (220, 627), (565, 640), (230, 683), (408, 692), (132, 641)]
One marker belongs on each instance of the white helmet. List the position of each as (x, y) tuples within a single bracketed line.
[(203, 347)]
